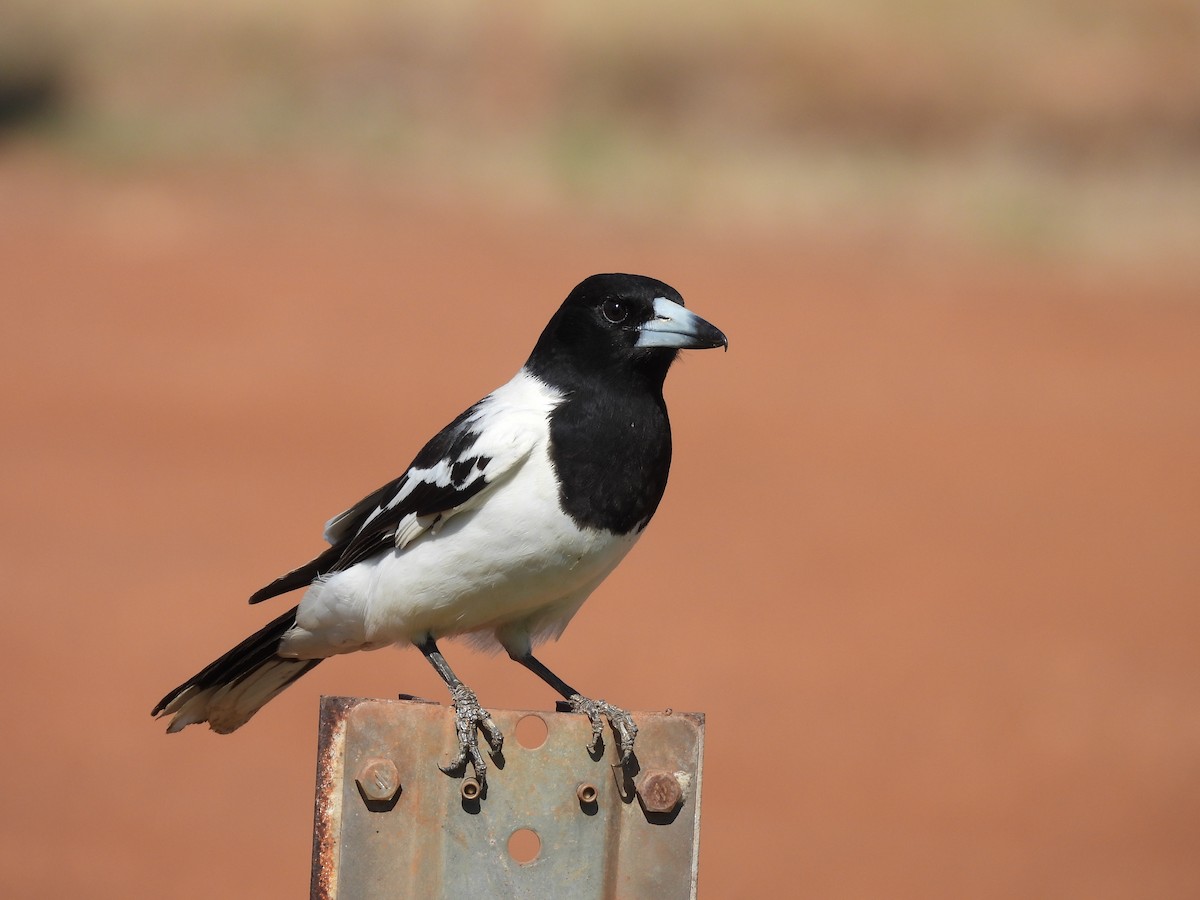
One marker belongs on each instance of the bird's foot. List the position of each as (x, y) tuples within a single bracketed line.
[(619, 719), (469, 718)]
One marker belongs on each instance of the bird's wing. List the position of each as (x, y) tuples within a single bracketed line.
[(455, 471)]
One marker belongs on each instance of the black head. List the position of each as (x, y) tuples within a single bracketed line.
[(620, 324)]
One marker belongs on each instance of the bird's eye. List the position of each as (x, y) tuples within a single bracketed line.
[(615, 311)]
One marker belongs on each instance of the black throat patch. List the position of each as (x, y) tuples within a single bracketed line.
[(612, 453)]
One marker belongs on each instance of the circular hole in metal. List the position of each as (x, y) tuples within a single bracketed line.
[(524, 845), (531, 731)]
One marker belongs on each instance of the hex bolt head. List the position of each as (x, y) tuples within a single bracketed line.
[(378, 779), (660, 792)]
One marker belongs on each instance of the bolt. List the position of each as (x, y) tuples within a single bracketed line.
[(660, 792), (586, 792), (470, 789), (378, 779)]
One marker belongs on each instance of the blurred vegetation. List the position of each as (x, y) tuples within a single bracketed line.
[(1034, 123)]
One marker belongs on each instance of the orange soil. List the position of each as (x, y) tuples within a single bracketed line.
[(928, 559)]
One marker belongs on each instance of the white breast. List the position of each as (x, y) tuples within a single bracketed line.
[(515, 562)]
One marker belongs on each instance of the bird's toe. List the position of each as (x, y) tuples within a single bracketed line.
[(469, 719), (621, 722)]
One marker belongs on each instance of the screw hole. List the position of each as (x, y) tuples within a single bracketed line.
[(524, 845), (532, 731)]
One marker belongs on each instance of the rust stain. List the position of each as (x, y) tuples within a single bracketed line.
[(596, 842), (327, 808)]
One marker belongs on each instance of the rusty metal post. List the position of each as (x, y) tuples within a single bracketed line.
[(553, 822)]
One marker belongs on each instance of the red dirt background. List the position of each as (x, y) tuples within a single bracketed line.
[(927, 560)]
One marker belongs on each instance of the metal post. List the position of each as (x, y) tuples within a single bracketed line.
[(554, 821)]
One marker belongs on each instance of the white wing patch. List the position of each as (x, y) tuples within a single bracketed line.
[(507, 425), (336, 528), (506, 461)]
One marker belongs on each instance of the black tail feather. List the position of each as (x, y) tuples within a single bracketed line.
[(241, 661)]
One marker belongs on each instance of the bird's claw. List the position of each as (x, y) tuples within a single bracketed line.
[(469, 718), (622, 723)]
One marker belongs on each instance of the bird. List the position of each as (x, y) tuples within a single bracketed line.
[(499, 529)]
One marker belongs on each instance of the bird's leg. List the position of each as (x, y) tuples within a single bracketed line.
[(620, 720), (469, 717)]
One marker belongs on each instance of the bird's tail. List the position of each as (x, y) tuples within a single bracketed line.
[(231, 689)]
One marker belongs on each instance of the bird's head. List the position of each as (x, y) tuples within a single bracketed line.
[(613, 323)]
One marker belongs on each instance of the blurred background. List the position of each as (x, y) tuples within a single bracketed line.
[(928, 560)]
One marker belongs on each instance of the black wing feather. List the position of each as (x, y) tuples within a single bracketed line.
[(298, 578), (426, 499), (369, 526)]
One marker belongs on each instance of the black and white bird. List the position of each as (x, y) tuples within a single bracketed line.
[(500, 528)]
